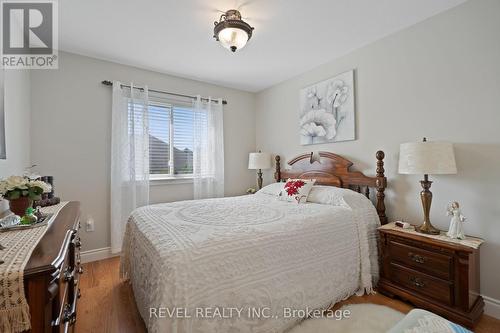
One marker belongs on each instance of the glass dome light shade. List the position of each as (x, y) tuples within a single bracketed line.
[(231, 31), (233, 38)]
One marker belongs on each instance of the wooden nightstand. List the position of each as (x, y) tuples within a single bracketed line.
[(440, 275)]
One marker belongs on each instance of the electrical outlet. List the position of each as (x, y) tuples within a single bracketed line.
[(89, 225)]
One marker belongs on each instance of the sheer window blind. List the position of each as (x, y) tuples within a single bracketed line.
[(183, 141), (171, 134), (159, 139)]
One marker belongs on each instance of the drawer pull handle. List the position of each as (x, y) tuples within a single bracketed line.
[(417, 258), (67, 275), (80, 270), (417, 282), (68, 315)]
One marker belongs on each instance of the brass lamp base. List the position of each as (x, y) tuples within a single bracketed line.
[(426, 197), (427, 228), (259, 179)]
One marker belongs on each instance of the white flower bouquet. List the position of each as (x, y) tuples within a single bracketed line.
[(16, 187)]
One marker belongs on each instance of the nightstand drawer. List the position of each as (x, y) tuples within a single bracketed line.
[(422, 283), (432, 263)]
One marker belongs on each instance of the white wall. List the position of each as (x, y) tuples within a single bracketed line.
[(440, 79), (71, 123), (17, 125)]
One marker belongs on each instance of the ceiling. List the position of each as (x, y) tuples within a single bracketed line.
[(290, 36)]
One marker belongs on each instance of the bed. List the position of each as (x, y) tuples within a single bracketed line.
[(254, 263)]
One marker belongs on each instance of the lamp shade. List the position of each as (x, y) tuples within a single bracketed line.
[(432, 158), (231, 31), (259, 161), (233, 38)]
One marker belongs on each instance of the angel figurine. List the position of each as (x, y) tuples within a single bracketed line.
[(456, 230)]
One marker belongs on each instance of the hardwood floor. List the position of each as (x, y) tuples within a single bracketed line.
[(107, 304)]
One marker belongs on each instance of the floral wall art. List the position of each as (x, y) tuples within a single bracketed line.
[(327, 110)]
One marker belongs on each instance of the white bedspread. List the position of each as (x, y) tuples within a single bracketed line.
[(246, 252)]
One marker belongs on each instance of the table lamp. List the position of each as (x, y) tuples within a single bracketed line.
[(259, 161), (427, 158)]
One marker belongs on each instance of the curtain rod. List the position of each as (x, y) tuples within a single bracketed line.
[(109, 83)]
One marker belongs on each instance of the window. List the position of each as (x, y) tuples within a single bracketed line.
[(171, 140), (172, 132)]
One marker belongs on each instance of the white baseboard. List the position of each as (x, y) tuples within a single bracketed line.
[(491, 307), (97, 254)]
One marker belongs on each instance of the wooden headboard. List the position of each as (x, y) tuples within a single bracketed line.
[(333, 170)]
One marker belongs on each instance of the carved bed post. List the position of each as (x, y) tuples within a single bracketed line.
[(381, 185), (277, 173)]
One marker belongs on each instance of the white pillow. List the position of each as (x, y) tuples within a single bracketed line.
[(296, 190), (335, 196), (272, 189)]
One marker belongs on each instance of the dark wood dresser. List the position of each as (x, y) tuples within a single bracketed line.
[(52, 273), (440, 276)]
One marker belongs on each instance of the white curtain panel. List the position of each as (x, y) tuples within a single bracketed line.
[(129, 157), (208, 149)]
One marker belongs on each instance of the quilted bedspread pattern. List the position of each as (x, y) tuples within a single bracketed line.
[(196, 260)]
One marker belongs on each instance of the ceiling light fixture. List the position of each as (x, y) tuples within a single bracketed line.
[(231, 31)]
